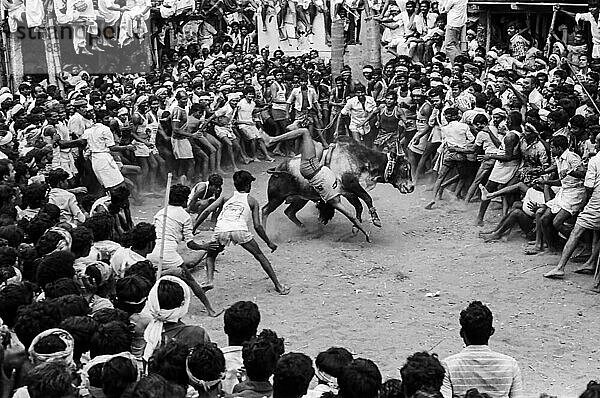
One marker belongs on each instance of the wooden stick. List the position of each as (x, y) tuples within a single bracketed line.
[(548, 39), (164, 228), (583, 87)]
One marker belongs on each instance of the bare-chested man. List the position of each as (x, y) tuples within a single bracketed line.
[(320, 177)]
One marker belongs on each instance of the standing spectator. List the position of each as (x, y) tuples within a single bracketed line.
[(456, 11)]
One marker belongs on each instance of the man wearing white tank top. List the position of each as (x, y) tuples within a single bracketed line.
[(232, 227)]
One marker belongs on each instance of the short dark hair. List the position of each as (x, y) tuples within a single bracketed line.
[(169, 362), (206, 362), (170, 295), (131, 292), (360, 379), (156, 386), (391, 388), (33, 319), (592, 390), (62, 287), (118, 374), (333, 360), (13, 234), (215, 179), (82, 328), (34, 195), (54, 266), (101, 225), (106, 315), (12, 297), (70, 305), (111, 338), (50, 380), (56, 176), (578, 121), (422, 371), (81, 239), (476, 320), (144, 269), (141, 234), (241, 179), (292, 375), (241, 320), (560, 141), (480, 118), (260, 355), (179, 195), (559, 116)]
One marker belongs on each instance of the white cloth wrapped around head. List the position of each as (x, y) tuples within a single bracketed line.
[(65, 355), (153, 332)]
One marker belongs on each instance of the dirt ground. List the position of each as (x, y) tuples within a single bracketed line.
[(371, 298)]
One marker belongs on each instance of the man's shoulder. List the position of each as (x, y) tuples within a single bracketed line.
[(466, 354)]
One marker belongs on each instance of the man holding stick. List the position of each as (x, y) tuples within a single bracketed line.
[(176, 227), (592, 17)]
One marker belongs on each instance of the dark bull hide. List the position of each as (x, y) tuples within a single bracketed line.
[(358, 169)]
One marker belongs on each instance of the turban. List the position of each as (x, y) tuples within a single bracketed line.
[(65, 356), (153, 332)]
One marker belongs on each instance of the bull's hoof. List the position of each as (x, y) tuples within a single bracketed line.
[(375, 217)]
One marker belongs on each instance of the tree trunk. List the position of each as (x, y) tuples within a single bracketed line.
[(373, 36), (337, 47)]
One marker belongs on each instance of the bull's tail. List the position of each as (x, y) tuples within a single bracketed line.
[(326, 211)]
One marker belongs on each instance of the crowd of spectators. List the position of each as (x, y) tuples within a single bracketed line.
[(82, 311)]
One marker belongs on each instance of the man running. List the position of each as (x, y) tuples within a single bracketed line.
[(320, 177)]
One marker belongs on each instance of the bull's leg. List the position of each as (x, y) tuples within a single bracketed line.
[(356, 203), (269, 208), (293, 209), (352, 185)]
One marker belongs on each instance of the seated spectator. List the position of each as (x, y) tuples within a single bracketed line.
[(292, 376), (477, 366), (329, 365), (240, 324)]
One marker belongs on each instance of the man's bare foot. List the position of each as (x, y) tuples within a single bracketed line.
[(533, 251), (213, 314), (430, 205), (484, 192), (490, 237), (283, 290), (586, 270), (255, 159), (556, 273)]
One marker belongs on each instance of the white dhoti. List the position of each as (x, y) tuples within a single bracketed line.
[(106, 170)]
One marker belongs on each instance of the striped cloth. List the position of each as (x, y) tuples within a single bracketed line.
[(477, 366)]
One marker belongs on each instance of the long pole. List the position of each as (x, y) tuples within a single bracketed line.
[(583, 87), (550, 31), (164, 226)]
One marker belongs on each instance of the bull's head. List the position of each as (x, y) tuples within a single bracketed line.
[(401, 176)]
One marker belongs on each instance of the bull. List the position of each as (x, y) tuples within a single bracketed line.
[(358, 170)]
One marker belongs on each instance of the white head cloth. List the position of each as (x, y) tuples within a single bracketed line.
[(153, 332)]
